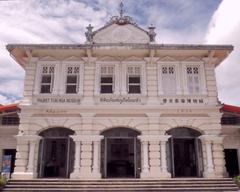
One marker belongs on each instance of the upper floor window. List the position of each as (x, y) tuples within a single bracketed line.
[(193, 79), (231, 120), (134, 80), (168, 80), (10, 120), (107, 79), (47, 79), (72, 80)]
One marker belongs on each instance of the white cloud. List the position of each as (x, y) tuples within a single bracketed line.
[(55, 21), (4, 99), (224, 28)]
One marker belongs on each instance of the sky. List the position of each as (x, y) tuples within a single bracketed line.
[(65, 21)]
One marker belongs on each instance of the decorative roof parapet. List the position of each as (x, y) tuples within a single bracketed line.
[(121, 20)]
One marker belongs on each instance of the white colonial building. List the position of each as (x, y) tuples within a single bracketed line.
[(119, 105)]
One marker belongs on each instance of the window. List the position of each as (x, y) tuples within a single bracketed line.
[(234, 120), (47, 79), (72, 80), (168, 80), (134, 80), (10, 120), (107, 79), (193, 80)]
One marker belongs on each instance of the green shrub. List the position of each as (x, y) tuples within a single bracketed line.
[(3, 181), (237, 180)]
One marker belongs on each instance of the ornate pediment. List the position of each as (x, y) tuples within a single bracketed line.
[(108, 58), (133, 58), (168, 59), (72, 58), (120, 29), (193, 59), (115, 33), (47, 58)]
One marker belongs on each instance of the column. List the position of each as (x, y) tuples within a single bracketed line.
[(86, 160), (209, 156), (96, 159), (163, 156), (209, 166), (154, 159), (163, 146), (144, 156), (218, 157), (145, 166), (31, 156), (76, 171)]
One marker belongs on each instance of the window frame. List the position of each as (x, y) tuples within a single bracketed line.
[(125, 77), (80, 77), (201, 75), (107, 76), (178, 81), (46, 62), (74, 74), (9, 122), (128, 84), (47, 74), (98, 75)]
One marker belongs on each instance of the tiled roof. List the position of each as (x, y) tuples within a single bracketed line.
[(230, 108), (9, 107)]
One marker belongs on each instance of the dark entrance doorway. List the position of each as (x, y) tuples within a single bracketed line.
[(185, 153), (56, 153), (120, 153), (231, 158), (185, 164)]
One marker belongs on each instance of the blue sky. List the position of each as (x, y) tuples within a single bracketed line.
[(64, 21)]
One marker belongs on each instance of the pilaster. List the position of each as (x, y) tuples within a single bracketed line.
[(24, 164), (87, 157), (215, 164), (155, 167)]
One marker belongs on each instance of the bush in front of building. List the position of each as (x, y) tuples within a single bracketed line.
[(237, 180), (3, 181)]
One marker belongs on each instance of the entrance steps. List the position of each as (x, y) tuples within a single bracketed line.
[(121, 185)]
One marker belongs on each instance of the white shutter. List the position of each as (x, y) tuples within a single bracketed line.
[(193, 80), (169, 80)]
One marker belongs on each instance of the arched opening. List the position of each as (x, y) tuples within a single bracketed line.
[(120, 153), (185, 153), (56, 153)]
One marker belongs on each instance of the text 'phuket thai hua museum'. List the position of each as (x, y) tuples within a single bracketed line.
[(120, 105)]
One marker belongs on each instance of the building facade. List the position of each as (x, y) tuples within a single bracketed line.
[(231, 131), (119, 105)]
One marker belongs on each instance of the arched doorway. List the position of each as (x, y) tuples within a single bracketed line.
[(185, 152), (121, 153), (56, 153)]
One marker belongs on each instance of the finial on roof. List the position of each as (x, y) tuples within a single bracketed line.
[(121, 9), (151, 33), (89, 33), (121, 19)]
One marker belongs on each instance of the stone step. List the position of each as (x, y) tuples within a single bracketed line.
[(122, 185), (116, 185), (127, 190)]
